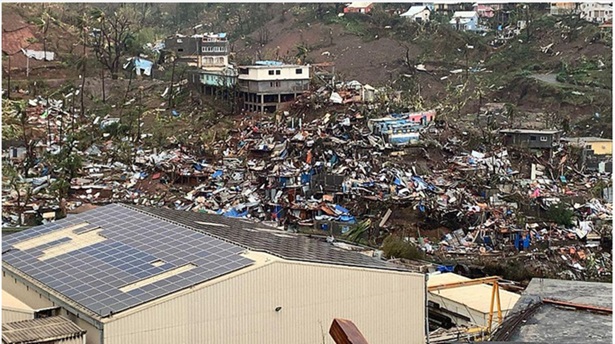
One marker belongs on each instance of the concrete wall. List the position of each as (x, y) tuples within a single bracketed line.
[(25, 294), (285, 73), (275, 87), (529, 140), (387, 307)]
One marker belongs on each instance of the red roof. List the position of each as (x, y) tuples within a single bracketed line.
[(15, 34)]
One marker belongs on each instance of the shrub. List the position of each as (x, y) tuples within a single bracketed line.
[(396, 246), (560, 214)]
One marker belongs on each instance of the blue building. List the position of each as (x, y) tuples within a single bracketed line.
[(465, 21)]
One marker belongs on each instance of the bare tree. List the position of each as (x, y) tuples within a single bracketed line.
[(112, 39)]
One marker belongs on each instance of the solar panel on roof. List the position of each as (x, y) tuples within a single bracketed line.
[(92, 275)]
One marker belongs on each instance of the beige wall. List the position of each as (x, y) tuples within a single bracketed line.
[(387, 307), (37, 301), (11, 315), (26, 295)]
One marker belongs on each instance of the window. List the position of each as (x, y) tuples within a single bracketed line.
[(543, 139), (203, 49), (298, 71), (532, 138), (180, 50), (179, 40), (277, 72), (270, 72)]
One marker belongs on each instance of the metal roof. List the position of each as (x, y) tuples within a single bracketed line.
[(256, 237), (528, 131), (587, 139), (477, 297), (40, 330), (116, 257)]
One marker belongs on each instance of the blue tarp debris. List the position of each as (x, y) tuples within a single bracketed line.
[(445, 268), (306, 178), (217, 174), (341, 209), (347, 218), (234, 213)]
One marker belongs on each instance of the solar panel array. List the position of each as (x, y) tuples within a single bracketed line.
[(288, 246), (92, 276)]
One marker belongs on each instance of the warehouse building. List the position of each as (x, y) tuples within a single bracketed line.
[(144, 275)]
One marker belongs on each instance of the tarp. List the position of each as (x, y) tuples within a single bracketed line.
[(341, 209), (234, 213), (347, 218), (39, 55), (445, 268), (335, 98), (143, 64)]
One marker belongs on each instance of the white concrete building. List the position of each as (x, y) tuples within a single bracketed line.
[(144, 275), (596, 12), (266, 85)]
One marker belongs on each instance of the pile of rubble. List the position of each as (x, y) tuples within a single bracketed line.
[(329, 174)]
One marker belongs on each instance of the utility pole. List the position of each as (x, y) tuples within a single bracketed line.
[(139, 114), (102, 77), (72, 112), (82, 112), (8, 95), (172, 77)]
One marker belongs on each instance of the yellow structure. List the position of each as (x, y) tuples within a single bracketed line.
[(470, 300), (599, 145), (563, 8)]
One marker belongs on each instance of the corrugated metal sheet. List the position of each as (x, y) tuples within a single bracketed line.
[(40, 330), (283, 302)]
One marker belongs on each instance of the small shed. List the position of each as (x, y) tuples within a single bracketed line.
[(417, 13), (57, 330), (465, 21)]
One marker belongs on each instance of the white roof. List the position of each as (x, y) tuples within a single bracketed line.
[(414, 10), (359, 4), (477, 297), (464, 14)]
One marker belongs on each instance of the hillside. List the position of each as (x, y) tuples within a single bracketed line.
[(374, 49), (572, 78)]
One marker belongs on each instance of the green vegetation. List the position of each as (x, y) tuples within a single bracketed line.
[(396, 246), (560, 214), (587, 72)]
